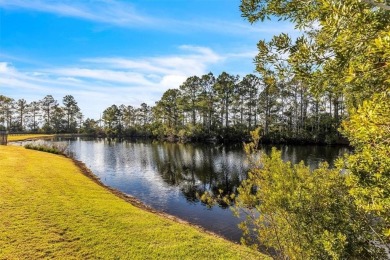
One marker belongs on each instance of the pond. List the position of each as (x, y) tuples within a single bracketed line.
[(167, 176)]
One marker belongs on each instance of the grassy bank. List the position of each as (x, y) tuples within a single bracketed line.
[(22, 137), (48, 209)]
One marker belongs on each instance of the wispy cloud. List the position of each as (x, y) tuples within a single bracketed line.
[(122, 77), (124, 14), (240, 28), (104, 11), (193, 61), (102, 81)]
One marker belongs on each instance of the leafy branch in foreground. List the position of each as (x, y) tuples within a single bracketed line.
[(300, 213), (368, 168), (344, 49)]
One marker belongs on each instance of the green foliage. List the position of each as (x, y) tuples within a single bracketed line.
[(301, 213), (368, 168), (343, 51), (226, 109), (45, 116), (71, 109), (111, 118), (343, 47), (190, 132), (90, 127), (189, 96), (222, 109)]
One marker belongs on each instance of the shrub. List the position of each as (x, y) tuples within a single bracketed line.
[(301, 213), (49, 148)]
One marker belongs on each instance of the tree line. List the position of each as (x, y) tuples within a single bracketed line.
[(204, 107), (43, 116), (227, 108)]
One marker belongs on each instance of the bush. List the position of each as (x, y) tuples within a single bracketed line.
[(49, 148), (300, 213)]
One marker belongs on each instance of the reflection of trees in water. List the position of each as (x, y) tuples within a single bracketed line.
[(196, 169), (310, 154)]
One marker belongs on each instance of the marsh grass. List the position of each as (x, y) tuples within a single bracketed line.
[(49, 209), (49, 148)]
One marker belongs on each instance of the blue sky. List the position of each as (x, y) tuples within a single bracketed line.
[(106, 52)]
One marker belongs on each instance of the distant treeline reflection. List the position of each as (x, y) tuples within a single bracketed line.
[(196, 168), (216, 169)]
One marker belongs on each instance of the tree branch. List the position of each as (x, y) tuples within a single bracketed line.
[(380, 5)]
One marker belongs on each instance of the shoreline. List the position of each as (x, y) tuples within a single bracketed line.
[(137, 203), (126, 197), (55, 207)]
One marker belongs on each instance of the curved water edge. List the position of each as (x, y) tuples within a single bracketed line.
[(132, 200), (168, 176)]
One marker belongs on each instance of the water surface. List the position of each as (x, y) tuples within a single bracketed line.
[(168, 176)]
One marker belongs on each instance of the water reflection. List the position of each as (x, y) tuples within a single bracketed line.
[(195, 169), (168, 176)]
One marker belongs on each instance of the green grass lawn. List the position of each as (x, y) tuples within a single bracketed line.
[(49, 209), (21, 137)]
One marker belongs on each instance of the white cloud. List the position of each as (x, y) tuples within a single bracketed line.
[(12, 78), (124, 14), (70, 79), (192, 62), (5, 68), (123, 77), (100, 82), (172, 80), (110, 12)]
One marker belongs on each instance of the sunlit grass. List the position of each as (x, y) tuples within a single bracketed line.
[(22, 137), (49, 209)]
